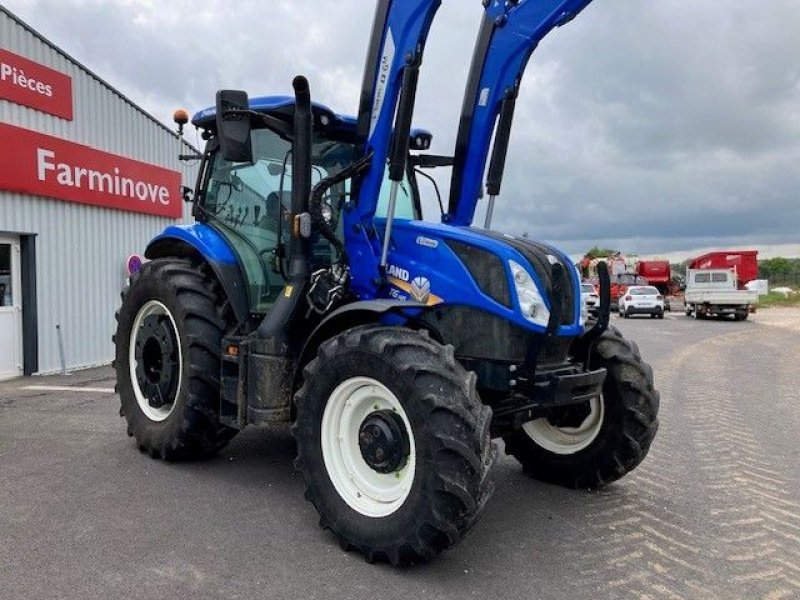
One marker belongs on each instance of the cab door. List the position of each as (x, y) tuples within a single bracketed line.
[(248, 203)]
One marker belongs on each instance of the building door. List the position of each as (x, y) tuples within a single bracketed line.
[(10, 308)]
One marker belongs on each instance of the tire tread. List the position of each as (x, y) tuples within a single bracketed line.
[(458, 426), (199, 433)]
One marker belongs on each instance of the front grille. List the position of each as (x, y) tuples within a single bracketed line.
[(486, 269)]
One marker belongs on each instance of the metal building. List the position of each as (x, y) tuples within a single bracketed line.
[(86, 179)]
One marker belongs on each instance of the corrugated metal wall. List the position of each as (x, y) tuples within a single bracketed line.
[(80, 249)]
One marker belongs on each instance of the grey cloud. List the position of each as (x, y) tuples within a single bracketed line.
[(654, 126)]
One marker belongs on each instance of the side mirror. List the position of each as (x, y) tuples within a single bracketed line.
[(233, 126)]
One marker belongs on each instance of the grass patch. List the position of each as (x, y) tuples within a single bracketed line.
[(773, 299)]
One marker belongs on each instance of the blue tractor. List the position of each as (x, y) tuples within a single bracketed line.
[(310, 291)]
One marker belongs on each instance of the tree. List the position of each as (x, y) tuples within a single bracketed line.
[(780, 271), (776, 265), (598, 252)]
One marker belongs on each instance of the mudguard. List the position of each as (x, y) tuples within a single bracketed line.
[(353, 315), (203, 242)]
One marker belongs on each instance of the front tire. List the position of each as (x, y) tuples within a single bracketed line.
[(168, 352), (608, 439), (393, 443)]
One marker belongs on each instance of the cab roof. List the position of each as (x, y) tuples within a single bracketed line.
[(272, 104), (331, 122)]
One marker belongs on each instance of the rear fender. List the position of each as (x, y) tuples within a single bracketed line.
[(201, 242)]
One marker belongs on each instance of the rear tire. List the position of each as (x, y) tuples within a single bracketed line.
[(414, 507), (168, 352), (612, 440)]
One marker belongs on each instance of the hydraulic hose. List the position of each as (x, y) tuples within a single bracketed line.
[(318, 193)]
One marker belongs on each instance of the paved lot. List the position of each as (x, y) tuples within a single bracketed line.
[(713, 512)]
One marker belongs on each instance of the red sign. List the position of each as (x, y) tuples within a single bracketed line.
[(25, 82), (34, 163)]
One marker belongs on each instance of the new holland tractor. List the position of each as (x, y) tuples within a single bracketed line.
[(310, 291)]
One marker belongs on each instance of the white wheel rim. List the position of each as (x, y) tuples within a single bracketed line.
[(365, 490), (568, 440), (150, 308)]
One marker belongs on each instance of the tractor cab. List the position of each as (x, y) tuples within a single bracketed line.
[(247, 198)]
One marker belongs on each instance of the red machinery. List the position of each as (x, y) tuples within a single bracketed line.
[(744, 261), (657, 273), (620, 284), (621, 276)]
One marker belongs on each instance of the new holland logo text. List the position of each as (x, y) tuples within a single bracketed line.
[(397, 272)]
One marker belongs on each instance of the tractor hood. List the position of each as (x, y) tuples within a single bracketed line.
[(475, 267)]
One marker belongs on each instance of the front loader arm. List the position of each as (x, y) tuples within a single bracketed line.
[(509, 34), (398, 40)]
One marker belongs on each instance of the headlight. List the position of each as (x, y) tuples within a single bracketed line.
[(531, 302), (584, 300), (584, 309)]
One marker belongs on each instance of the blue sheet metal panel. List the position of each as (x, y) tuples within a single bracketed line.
[(264, 104), (345, 123), (431, 258), (206, 240)]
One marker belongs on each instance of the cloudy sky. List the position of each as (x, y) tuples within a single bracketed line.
[(646, 126)]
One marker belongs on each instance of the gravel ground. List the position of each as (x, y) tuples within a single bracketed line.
[(785, 317)]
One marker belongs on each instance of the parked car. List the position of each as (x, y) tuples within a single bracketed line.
[(590, 297), (642, 300)]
